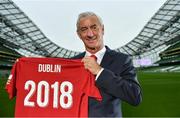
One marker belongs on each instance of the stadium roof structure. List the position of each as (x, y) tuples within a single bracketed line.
[(18, 32), (162, 28)]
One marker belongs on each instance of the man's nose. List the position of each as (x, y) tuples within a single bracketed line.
[(90, 33)]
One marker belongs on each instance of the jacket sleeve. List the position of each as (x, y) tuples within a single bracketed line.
[(122, 84)]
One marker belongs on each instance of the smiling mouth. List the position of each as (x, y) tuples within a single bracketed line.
[(91, 38)]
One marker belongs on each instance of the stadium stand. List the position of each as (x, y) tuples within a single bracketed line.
[(7, 58), (7, 55), (162, 68), (18, 29), (160, 32), (171, 56)]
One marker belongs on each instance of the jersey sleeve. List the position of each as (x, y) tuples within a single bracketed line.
[(90, 88), (11, 82)]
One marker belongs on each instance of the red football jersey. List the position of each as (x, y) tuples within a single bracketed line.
[(51, 87)]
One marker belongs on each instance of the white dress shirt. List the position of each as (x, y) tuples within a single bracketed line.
[(99, 55)]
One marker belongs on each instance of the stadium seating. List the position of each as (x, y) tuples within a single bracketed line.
[(7, 58), (171, 56)]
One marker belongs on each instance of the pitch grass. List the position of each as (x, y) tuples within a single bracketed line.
[(6, 105), (161, 97)]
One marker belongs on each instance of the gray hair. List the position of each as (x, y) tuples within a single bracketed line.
[(87, 14)]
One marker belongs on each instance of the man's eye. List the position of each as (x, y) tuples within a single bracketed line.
[(83, 29), (94, 27)]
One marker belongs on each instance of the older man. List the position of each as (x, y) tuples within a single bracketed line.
[(115, 73)]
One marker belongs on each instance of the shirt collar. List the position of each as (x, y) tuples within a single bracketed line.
[(98, 54)]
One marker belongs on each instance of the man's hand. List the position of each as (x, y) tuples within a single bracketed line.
[(91, 64)]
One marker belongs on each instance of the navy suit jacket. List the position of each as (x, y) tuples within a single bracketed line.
[(116, 83)]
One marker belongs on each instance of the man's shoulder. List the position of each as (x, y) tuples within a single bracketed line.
[(118, 54)]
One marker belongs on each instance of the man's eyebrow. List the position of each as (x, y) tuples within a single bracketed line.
[(93, 25), (83, 27)]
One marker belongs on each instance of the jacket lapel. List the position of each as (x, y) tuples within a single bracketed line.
[(108, 58)]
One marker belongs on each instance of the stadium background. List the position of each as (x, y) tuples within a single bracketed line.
[(155, 52)]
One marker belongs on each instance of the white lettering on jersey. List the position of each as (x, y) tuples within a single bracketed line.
[(66, 94), (49, 68), (9, 79), (29, 85), (65, 100)]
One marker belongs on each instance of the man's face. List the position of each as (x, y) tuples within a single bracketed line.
[(91, 33)]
